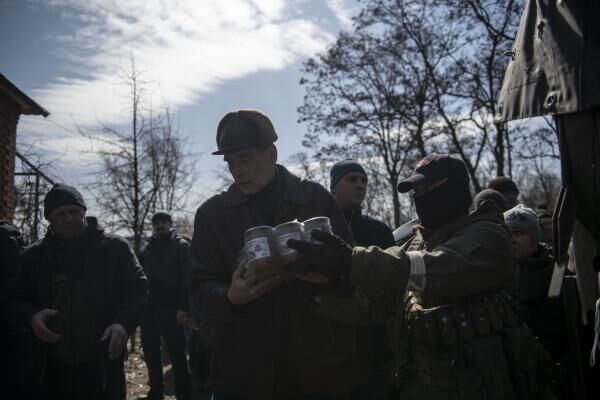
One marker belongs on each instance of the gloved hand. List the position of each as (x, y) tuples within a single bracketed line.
[(332, 257)]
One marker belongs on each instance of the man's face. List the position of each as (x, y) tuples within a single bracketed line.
[(351, 190), (67, 222), (511, 199), (523, 245), (161, 227), (252, 168)]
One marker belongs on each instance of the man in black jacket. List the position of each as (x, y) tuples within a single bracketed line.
[(348, 184), (165, 259), (266, 339), (81, 293), (349, 188), (543, 314), (11, 340)]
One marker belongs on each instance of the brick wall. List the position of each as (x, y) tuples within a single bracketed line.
[(9, 116)]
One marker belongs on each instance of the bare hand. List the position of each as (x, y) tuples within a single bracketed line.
[(40, 330), (244, 290), (118, 338), (181, 317)]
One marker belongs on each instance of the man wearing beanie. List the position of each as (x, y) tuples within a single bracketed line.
[(349, 188), (451, 313), (490, 195), (80, 292), (544, 315), (165, 259), (266, 339), (348, 184), (508, 188)]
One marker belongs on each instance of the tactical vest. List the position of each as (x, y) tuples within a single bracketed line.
[(480, 335)]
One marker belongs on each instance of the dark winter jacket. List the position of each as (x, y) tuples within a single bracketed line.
[(165, 262), (116, 284), (468, 256), (545, 316), (368, 231), (275, 346), (465, 266)]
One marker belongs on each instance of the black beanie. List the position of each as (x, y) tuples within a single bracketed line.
[(162, 216), (503, 184), (341, 169), (62, 195), (490, 194)]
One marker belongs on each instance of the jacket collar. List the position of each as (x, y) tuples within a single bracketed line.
[(170, 236), (352, 213), (234, 197), (91, 233)]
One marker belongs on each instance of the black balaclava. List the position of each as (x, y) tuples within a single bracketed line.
[(443, 204)]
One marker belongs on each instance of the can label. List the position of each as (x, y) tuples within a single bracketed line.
[(258, 248), (282, 242)]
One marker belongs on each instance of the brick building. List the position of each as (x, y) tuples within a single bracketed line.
[(13, 104)]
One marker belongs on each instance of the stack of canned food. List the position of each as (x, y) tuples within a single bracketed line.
[(266, 247)]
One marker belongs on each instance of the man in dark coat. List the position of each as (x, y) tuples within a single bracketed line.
[(508, 189), (81, 292), (348, 184), (165, 260), (12, 375), (267, 341), (544, 315)]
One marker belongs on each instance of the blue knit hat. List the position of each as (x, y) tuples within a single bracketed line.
[(341, 169)]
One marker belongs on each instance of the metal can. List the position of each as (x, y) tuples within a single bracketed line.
[(261, 254), (283, 233), (317, 223)]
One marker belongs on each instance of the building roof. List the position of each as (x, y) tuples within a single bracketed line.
[(27, 104)]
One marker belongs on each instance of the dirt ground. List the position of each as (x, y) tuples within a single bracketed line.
[(137, 378), (136, 375)]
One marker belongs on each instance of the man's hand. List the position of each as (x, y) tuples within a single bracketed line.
[(117, 335), (40, 330), (181, 317), (322, 262), (244, 290)]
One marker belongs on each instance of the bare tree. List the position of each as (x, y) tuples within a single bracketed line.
[(419, 76), (460, 46), (34, 176), (490, 28), (537, 160), (362, 98), (144, 166)]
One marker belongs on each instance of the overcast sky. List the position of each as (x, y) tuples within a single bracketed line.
[(201, 57)]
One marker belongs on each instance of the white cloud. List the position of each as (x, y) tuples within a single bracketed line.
[(187, 48), (343, 10)]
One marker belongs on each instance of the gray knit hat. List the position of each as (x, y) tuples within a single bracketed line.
[(523, 219)]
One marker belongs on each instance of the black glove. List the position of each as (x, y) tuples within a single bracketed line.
[(332, 257)]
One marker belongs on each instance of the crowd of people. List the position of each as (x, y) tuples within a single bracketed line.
[(458, 310)]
